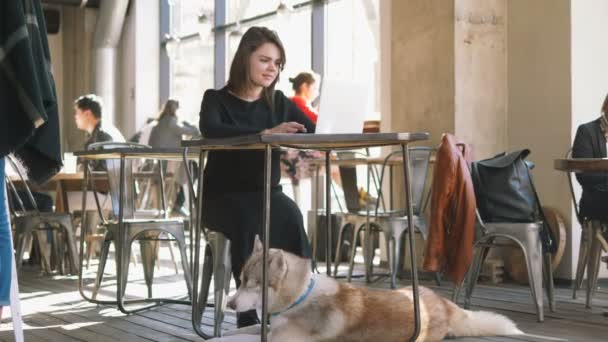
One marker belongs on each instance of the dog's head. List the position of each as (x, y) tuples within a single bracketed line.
[(249, 294)]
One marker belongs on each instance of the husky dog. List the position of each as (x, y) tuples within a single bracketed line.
[(313, 307)]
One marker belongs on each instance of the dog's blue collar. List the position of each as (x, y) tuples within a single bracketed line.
[(302, 298)]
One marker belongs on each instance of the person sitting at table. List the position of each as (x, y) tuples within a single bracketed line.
[(168, 132), (591, 142), (305, 88), (88, 114), (233, 194)]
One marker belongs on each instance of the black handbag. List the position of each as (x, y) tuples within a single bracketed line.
[(505, 192)]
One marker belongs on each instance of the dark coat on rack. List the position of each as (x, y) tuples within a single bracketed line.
[(28, 102)]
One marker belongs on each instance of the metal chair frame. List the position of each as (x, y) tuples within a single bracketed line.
[(127, 228), (29, 222), (216, 263), (392, 223)]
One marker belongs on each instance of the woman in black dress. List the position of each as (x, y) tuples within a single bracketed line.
[(233, 180)]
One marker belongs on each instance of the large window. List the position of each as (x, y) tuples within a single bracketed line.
[(191, 70), (351, 49), (352, 46)]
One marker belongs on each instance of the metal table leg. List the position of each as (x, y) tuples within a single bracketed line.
[(328, 242), (266, 240), (198, 228), (411, 235)]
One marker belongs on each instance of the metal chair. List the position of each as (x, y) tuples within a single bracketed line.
[(30, 222), (392, 223), (527, 237), (146, 230), (590, 248), (216, 265)]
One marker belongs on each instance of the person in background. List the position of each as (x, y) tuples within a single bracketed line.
[(591, 142), (88, 114), (169, 132), (234, 180), (305, 87)]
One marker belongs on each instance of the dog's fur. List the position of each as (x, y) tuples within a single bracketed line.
[(336, 311)]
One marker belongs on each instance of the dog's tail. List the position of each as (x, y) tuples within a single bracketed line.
[(479, 323)]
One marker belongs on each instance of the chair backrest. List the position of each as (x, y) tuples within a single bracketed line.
[(11, 186), (113, 171), (572, 194), (419, 157)]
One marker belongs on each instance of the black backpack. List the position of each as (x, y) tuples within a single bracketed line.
[(505, 192)]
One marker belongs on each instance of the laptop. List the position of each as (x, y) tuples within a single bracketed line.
[(342, 107)]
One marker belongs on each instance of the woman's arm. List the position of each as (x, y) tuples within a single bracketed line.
[(179, 129), (295, 114), (211, 123)]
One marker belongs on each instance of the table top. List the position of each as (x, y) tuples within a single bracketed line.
[(581, 164), (137, 153), (306, 141)]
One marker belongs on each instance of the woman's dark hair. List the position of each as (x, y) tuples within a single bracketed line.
[(301, 78), (605, 106), (170, 108), (239, 70), (91, 102)]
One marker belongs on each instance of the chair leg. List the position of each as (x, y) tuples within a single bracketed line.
[(473, 274), (67, 228), (203, 296), (353, 252), (391, 251), (23, 240), (149, 251), (533, 255), (548, 276), (583, 254), (339, 247), (170, 245), (185, 266), (222, 273), (593, 263), (368, 251), (103, 258)]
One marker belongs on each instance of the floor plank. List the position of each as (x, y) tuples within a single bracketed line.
[(54, 311)]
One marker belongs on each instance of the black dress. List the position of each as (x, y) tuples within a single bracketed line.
[(233, 198)]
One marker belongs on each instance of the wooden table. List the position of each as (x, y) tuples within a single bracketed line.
[(581, 165), (321, 142)]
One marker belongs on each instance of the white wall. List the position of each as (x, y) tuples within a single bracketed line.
[(56, 49), (589, 75)]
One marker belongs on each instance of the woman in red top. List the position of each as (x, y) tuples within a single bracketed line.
[(305, 87)]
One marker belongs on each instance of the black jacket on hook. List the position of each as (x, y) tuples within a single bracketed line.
[(28, 103)]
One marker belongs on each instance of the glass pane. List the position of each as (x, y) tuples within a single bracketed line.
[(352, 46), (191, 75), (185, 13), (240, 9)]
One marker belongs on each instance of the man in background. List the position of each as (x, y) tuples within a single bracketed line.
[(88, 114)]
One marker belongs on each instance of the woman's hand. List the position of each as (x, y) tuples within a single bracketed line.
[(286, 127)]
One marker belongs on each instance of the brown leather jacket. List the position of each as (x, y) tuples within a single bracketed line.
[(449, 247)]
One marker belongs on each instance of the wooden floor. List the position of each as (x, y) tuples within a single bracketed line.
[(54, 311)]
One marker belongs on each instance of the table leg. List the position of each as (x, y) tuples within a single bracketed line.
[(266, 240), (198, 228), (328, 242), (411, 236)]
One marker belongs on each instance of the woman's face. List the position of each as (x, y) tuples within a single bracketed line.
[(264, 65), (310, 91)]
